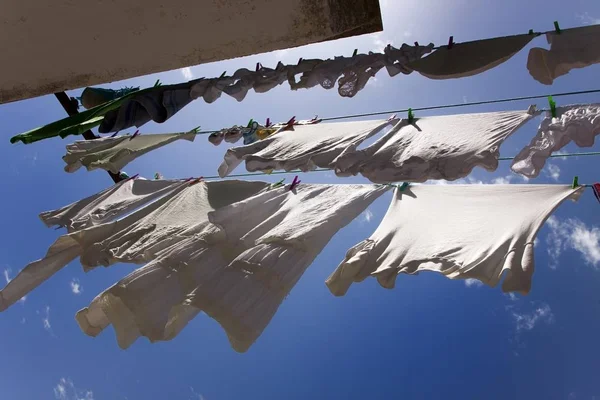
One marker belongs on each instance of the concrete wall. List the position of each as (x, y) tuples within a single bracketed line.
[(50, 46)]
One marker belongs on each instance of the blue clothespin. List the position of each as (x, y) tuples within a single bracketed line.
[(556, 28), (295, 183), (552, 106), (450, 42), (411, 116), (135, 134), (114, 134), (404, 186), (575, 182)]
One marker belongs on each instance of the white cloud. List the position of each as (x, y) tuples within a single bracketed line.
[(195, 395), (473, 283), (553, 171), (76, 287), (7, 278), (187, 73), (587, 19), (575, 235), (502, 180), (46, 319), (528, 321), (512, 296), (367, 216), (65, 389)]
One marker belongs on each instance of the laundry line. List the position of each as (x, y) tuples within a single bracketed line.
[(582, 154), (454, 105)]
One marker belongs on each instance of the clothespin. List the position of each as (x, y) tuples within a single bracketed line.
[(355, 52), (411, 117), (416, 44), (195, 130), (299, 60), (596, 189), (157, 83), (392, 117), (291, 122), (135, 134), (114, 134), (223, 74), (250, 123), (450, 42), (268, 123), (277, 184), (556, 28), (157, 176), (552, 106), (196, 180), (530, 32), (404, 186), (575, 182), (258, 66), (133, 177), (295, 183)]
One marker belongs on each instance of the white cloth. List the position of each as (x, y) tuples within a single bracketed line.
[(109, 204), (304, 147), (461, 231), (469, 58), (444, 147), (136, 238), (577, 123), (572, 48), (114, 153), (239, 275)]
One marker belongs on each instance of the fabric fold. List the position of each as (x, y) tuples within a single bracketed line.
[(461, 231), (575, 123), (114, 153), (571, 49), (444, 147), (304, 147), (469, 58)]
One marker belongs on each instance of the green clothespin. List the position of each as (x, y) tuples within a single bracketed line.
[(195, 130), (575, 182), (411, 116), (556, 28), (277, 184), (530, 32), (552, 106), (355, 52), (157, 83), (250, 123), (404, 186)]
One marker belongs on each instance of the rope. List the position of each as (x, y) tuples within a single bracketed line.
[(591, 153), (455, 105)]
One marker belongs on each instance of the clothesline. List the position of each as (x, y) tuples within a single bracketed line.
[(455, 105), (583, 154)]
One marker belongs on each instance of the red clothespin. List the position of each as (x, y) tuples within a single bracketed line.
[(596, 189), (135, 134), (268, 123), (295, 183), (450, 42), (197, 180)]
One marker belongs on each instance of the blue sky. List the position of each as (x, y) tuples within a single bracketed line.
[(428, 338)]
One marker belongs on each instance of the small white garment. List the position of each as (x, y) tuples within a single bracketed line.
[(210, 89), (577, 123), (461, 231), (238, 275), (469, 58), (572, 48), (114, 153), (444, 147), (136, 238), (304, 147), (117, 200)]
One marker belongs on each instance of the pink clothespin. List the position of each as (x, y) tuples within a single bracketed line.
[(392, 117), (596, 189), (135, 134), (295, 183), (291, 122), (197, 180)]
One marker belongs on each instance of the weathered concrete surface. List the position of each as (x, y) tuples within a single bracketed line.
[(50, 46)]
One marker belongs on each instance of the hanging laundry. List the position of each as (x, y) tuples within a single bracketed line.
[(569, 49), (469, 58), (109, 204), (114, 153), (445, 147), (461, 231), (92, 97), (356, 76), (238, 276), (305, 147), (137, 237), (270, 78), (574, 123), (210, 89), (399, 60)]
